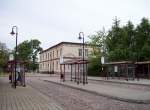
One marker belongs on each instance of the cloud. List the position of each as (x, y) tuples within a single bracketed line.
[(52, 21)]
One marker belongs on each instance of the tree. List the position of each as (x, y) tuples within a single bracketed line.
[(115, 42), (3, 56), (122, 43), (142, 38), (27, 51), (130, 41), (97, 43), (94, 67), (35, 44)]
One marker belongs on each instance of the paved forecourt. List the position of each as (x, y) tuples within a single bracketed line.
[(24, 98), (119, 92)]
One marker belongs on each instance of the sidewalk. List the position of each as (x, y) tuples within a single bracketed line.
[(23, 98), (145, 82), (116, 92)]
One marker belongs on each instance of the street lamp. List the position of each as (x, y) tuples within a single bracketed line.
[(81, 36), (15, 33)]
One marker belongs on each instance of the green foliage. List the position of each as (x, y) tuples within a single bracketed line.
[(24, 50), (3, 56), (121, 43), (94, 67), (27, 51), (142, 38), (97, 41), (127, 42)]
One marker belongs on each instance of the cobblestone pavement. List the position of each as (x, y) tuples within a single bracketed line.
[(72, 99), (24, 98)]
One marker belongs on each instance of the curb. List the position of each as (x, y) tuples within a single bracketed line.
[(108, 81), (104, 95)]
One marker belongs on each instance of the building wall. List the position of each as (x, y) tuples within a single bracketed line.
[(50, 59)]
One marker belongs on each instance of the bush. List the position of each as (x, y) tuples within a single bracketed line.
[(94, 67)]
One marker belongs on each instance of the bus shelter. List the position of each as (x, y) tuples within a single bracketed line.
[(123, 69), (20, 72), (143, 69), (78, 70)]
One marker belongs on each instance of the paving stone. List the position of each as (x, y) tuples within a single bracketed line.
[(24, 98), (74, 99)]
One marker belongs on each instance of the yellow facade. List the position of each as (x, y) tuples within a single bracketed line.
[(50, 58)]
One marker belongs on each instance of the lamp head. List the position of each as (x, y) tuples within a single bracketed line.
[(12, 32), (79, 37)]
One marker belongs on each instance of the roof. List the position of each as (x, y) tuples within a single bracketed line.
[(127, 62), (75, 61), (72, 43), (121, 62), (18, 61), (143, 62)]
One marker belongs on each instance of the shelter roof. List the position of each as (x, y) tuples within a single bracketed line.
[(121, 62), (18, 61), (74, 61), (143, 62)]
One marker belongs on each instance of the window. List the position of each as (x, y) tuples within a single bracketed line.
[(53, 64), (61, 52), (86, 52), (53, 54), (43, 65), (46, 56), (50, 56), (49, 68), (80, 52), (57, 65), (57, 53), (40, 58)]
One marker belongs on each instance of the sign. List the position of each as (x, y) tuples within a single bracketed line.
[(11, 57), (116, 69), (102, 60)]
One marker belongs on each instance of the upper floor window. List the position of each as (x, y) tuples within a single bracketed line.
[(43, 57), (40, 57), (86, 52), (50, 56), (46, 56), (80, 52), (57, 53), (53, 54), (61, 52)]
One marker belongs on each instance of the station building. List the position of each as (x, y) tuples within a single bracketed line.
[(51, 58)]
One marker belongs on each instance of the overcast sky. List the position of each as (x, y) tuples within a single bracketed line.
[(53, 21)]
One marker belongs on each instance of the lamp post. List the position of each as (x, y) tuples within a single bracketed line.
[(81, 36), (15, 33), (103, 51)]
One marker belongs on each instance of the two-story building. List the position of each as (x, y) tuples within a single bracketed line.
[(51, 57)]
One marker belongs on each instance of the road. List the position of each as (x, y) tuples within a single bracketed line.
[(72, 99)]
